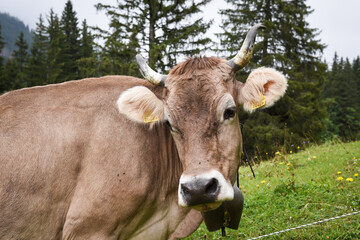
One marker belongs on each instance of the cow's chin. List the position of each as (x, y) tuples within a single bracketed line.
[(206, 206)]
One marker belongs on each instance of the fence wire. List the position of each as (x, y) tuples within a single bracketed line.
[(305, 225)]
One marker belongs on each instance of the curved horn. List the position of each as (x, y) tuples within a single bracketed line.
[(149, 74), (243, 57)]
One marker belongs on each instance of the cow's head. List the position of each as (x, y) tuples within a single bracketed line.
[(200, 106)]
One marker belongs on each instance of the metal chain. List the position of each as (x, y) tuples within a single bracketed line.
[(306, 225)]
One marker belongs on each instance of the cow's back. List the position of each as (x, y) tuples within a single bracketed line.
[(46, 136)]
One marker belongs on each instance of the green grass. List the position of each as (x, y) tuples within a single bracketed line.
[(296, 189)]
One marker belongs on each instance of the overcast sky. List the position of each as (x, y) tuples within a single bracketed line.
[(339, 21)]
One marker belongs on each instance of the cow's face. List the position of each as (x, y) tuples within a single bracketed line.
[(201, 111), (199, 105)]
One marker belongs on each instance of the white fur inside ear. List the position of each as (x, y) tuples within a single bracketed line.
[(262, 82), (138, 103)]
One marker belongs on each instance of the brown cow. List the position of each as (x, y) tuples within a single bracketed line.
[(119, 158)]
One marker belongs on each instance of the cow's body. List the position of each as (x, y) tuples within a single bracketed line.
[(120, 158), (72, 166)]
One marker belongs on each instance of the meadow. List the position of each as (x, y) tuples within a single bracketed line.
[(300, 186)]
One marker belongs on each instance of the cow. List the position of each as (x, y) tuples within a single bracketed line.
[(117, 157)]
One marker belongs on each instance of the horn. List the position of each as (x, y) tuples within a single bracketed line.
[(149, 74), (243, 57)]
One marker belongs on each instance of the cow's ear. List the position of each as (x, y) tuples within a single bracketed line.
[(263, 88), (141, 105)]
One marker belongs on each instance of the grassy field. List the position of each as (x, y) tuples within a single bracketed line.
[(293, 189)]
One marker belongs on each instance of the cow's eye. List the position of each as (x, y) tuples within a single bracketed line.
[(229, 113), (169, 125)]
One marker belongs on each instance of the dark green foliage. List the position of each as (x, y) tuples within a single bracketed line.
[(2, 45), (9, 75), (55, 55), (87, 42), (37, 67), (88, 62), (166, 30), (118, 53), (2, 83), (289, 45), (13, 74), (341, 93), (11, 28), (356, 84), (21, 53), (70, 49), (20, 56), (59, 53)]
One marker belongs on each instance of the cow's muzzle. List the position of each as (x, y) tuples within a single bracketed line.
[(200, 191), (204, 192)]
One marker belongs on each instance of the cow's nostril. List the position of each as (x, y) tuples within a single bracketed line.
[(212, 186), (185, 190)]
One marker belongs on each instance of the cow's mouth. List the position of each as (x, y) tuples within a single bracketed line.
[(204, 192), (205, 207)]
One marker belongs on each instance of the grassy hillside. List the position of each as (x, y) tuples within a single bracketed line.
[(295, 189)]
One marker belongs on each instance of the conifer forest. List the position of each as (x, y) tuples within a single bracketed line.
[(322, 101)]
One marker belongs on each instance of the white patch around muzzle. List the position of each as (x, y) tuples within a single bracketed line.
[(226, 192)]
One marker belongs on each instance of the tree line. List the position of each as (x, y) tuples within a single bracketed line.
[(58, 51), (319, 103), (341, 95)]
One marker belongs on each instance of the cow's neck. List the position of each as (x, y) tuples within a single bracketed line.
[(168, 165), (163, 213)]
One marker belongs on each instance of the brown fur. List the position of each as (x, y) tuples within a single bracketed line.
[(66, 172), (195, 89), (74, 167), (192, 65)]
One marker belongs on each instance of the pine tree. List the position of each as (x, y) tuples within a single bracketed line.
[(342, 98), (356, 97), (331, 78), (117, 57), (2, 78), (71, 43), (55, 56), (349, 118), (2, 45), (9, 76), (20, 57), (330, 90), (290, 45), (356, 72), (37, 66), (166, 30), (88, 61), (87, 42)]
